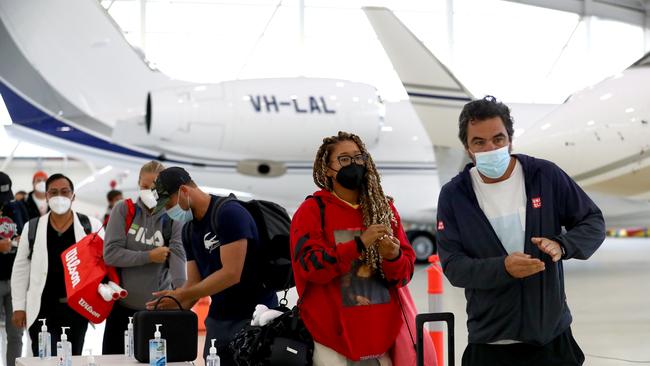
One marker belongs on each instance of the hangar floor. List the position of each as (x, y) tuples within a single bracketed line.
[(609, 297)]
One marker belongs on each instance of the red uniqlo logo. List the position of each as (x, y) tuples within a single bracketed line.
[(441, 226), (537, 202)]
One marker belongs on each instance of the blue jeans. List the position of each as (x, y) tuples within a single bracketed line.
[(14, 335)]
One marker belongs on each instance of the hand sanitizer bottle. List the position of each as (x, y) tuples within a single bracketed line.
[(64, 349), (213, 359), (90, 360), (44, 342), (157, 349), (128, 339)]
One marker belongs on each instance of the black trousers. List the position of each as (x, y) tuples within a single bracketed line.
[(561, 351), (60, 315), (116, 324)]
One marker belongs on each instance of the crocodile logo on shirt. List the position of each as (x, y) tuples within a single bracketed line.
[(211, 243)]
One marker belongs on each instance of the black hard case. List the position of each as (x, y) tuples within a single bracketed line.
[(179, 328)]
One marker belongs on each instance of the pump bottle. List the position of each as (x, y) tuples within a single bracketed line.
[(157, 349), (128, 339), (213, 359), (44, 342), (64, 349)]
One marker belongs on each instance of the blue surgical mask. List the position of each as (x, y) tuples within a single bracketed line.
[(176, 213), (493, 164)]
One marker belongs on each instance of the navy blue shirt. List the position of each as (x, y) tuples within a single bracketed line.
[(233, 223), (500, 307)]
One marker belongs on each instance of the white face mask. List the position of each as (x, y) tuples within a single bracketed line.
[(148, 198), (60, 204), (40, 187)]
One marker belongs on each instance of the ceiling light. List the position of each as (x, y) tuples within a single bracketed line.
[(546, 126), (605, 96), (629, 110), (591, 123)]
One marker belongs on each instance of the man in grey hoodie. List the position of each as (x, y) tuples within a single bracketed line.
[(148, 255)]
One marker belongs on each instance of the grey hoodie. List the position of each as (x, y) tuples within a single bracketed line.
[(129, 253)]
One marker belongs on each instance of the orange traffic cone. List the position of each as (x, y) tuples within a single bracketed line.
[(201, 309), (435, 290)]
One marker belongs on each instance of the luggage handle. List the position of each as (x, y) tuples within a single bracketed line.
[(171, 297), (420, 320)]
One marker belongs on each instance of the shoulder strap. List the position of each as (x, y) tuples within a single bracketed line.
[(167, 234), (130, 214), (215, 212), (167, 229), (31, 235), (85, 222)]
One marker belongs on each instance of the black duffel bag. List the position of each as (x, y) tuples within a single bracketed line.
[(179, 327), (284, 341)]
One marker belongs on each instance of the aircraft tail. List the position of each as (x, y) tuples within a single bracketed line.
[(435, 93)]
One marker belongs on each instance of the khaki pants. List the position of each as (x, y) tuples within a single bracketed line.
[(325, 356)]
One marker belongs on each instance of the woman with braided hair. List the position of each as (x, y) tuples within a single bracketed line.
[(350, 254)]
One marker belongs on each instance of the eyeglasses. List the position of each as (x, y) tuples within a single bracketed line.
[(62, 192), (359, 159)]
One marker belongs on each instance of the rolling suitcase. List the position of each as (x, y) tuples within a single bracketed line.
[(422, 319)]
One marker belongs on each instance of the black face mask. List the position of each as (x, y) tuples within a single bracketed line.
[(351, 176)]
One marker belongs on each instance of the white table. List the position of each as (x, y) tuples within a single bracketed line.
[(105, 360)]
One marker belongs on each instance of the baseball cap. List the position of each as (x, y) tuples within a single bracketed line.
[(168, 183), (6, 195), (39, 174)]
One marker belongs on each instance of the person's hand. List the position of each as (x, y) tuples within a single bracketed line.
[(167, 303), (361, 300), (520, 265), (372, 234), (548, 246), (159, 255), (19, 319), (5, 245), (388, 247)]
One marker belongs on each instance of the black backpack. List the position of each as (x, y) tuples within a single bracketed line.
[(33, 225), (273, 225)]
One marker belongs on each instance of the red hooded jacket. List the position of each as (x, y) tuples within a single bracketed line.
[(343, 306)]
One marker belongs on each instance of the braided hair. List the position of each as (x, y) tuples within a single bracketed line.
[(375, 205)]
